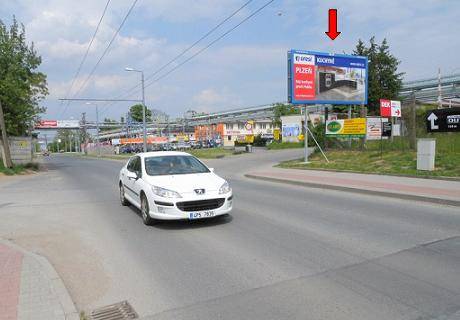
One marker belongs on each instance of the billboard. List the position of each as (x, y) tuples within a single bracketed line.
[(390, 108), (326, 78), (58, 124), (355, 127)]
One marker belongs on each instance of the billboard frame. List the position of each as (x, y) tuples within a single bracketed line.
[(290, 66)]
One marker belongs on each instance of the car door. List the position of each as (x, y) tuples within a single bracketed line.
[(137, 184), (129, 181)]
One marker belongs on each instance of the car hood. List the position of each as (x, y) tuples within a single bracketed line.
[(187, 183)]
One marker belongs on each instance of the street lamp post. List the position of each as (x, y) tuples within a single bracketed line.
[(98, 147), (144, 125)]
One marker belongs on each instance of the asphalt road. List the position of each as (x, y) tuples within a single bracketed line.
[(285, 253)]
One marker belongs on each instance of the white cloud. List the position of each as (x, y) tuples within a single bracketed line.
[(210, 99)]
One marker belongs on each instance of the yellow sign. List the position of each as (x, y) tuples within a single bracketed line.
[(249, 138), (276, 134), (300, 137), (346, 127), (249, 125)]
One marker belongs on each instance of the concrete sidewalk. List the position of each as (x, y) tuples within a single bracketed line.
[(429, 190), (30, 288)]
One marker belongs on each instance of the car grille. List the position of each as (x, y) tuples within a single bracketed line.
[(200, 205)]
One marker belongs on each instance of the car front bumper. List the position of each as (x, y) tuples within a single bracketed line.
[(163, 210)]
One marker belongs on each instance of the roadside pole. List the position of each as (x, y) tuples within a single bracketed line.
[(305, 138), (6, 147), (97, 129), (144, 124), (349, 117)]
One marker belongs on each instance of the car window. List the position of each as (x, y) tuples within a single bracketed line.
[(137, 165), (131, 164), (166, 165)]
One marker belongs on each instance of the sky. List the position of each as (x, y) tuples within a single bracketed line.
[(246, 68)]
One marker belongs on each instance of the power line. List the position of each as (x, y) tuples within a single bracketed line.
[(129, 91), (107, 48), (86, 53), (209, 45), (195, 43)]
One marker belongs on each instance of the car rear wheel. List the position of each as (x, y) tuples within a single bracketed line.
[(123, 200), (145, 211)]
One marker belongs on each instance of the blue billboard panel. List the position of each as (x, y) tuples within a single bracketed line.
[(326, 78)]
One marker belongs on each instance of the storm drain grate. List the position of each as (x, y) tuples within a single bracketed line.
[(118, 311)]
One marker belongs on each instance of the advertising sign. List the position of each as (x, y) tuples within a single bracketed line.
[(58, 124), (390, 108), (326, 78), (150, 140), (276, 134), (443, 120), (386, 129), (346, 128), (291, 130), (374, 128)]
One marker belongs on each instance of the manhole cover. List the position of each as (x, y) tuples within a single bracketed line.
[(118, 311)]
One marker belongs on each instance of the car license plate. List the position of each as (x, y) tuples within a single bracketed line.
[(201, 214)]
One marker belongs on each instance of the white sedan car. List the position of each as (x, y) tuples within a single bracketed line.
[(171, 185)]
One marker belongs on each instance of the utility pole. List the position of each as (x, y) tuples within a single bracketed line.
[(6, 147), (97, 129), (144, 124), (439, 89), (85, 140)]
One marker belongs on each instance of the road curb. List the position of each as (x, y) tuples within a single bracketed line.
[(375, 173), (66, 302), (357, 190)]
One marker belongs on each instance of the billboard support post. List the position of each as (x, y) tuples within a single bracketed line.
[(305, 137)]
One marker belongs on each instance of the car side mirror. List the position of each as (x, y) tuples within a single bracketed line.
[(211, 169), (132, 175)]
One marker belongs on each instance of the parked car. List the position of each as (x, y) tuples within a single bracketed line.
[(170, 185)]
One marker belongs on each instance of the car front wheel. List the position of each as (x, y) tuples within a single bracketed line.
[(123, 200), (145, 211)]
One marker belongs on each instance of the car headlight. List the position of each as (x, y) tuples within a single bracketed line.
[(225, 188), (165, 193)]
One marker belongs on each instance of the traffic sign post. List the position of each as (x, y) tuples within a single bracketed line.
[(443, 120)]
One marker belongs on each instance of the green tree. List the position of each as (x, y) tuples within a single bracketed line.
[(281, 109), (22, 87), (384, 79), (136, 113)]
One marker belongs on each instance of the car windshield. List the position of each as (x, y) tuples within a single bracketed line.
[(167, 165)]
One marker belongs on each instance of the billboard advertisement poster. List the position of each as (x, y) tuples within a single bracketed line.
[(374, 129), (326, 78), (390, 108), (58, 124), (395, 108), (346, 127), (291, 130)]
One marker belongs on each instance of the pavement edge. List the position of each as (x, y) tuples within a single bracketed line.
[(66, 302), (357, 190)]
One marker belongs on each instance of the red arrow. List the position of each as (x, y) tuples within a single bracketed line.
[(332, 33)]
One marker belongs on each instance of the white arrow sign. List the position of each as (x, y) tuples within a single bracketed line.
[(432, 118)]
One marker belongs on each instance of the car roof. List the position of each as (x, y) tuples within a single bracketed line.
[(162, 153)]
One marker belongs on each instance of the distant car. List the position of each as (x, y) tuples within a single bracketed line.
[(171, 185), (183, 146)]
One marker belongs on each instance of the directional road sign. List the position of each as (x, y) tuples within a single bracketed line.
[(443, 120)]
